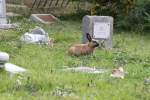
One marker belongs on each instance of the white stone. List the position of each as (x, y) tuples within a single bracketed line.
[(37, 35), (13, 69), (4, 57)]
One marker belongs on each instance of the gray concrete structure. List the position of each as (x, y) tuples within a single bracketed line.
[(100, 28), (3, 19)]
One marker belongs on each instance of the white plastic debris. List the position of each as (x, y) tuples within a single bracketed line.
[(4, 57), (87, 70), (37, 35), (118, 73), (14, 69)]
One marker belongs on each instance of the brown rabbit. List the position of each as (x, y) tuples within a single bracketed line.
[(83, 49)]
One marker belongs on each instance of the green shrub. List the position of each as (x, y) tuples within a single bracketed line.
[(128, 14), (138, 19)]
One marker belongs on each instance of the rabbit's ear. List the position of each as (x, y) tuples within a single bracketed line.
[(88, 37)]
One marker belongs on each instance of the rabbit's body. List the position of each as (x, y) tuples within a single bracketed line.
[(80, 49), (83, 49)]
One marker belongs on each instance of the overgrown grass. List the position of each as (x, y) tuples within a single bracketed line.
[(45, 66)]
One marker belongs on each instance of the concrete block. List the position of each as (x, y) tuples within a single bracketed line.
[(100, 28)]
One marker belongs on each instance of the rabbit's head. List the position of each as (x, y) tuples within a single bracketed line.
[(92, 43)]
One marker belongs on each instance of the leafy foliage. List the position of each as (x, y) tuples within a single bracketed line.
[(128, 14), (138, 19)]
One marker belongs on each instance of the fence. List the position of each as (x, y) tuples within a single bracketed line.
[(48, 6)]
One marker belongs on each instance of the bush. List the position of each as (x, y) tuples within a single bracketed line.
[(138, 19), (128, 14)]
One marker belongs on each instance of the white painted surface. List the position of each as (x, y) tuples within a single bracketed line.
[(101, 30)]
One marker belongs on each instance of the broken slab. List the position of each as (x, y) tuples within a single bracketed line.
[(87, 70), (43, 18), (11, 68), (36, 35)]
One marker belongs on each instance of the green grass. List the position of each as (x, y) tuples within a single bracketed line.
[(45, 66)]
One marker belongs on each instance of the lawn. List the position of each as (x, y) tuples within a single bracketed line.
[(47, 81)]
